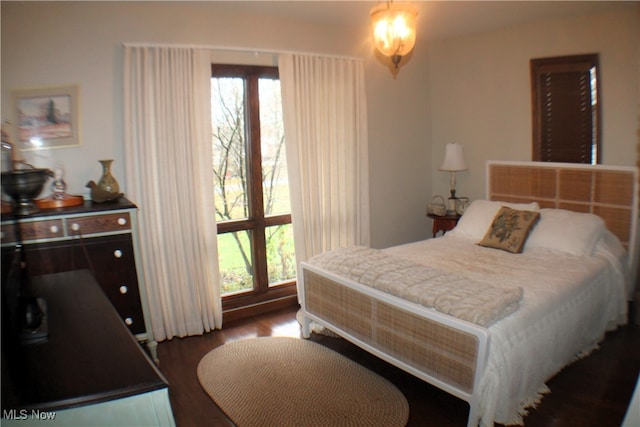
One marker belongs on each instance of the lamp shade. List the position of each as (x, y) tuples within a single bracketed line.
[(394, 29), (453, 158)]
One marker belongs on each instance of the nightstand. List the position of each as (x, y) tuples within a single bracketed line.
[(443, 223)]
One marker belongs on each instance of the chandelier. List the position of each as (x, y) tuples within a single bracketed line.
[(394, 29)]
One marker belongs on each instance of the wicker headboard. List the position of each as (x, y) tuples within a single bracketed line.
[(610, 192)]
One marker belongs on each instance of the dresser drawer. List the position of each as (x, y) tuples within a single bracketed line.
[(112, 259), (99, 224), (33, 230)]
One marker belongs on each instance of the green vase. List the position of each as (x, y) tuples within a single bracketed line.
[(107, 181)]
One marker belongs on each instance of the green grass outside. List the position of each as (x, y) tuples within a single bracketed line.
[(280, 252)]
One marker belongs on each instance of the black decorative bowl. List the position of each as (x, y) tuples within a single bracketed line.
[(23, 186)]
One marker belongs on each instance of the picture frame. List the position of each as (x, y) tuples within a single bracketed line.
[(45, 117)]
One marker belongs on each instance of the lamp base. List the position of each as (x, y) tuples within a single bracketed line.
[(451, 203)]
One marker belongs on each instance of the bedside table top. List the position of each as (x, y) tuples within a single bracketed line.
[(448, 216)]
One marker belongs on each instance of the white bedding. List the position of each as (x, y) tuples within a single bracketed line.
[(569, 303), (449, 293)]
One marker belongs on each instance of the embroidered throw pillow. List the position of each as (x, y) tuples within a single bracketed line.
[(510, 229), (478, 217)]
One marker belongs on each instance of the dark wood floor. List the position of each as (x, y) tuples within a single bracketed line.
[(594, 391)]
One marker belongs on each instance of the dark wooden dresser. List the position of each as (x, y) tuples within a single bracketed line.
[(90, 371), (100, 237)]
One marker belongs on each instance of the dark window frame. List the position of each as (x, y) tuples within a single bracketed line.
[(256, 222), (560, 82)]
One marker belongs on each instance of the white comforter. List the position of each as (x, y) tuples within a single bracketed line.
[(569, 303)]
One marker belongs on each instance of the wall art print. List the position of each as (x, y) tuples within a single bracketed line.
[(45, 117)]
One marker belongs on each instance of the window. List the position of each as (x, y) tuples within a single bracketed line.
[(566, 109), (255, 236)]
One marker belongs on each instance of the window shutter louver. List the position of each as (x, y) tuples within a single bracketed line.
[(565, 117)]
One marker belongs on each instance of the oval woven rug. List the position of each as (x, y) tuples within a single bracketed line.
[(281, 381)]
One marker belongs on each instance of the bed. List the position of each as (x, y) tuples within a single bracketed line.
[(567, 287)]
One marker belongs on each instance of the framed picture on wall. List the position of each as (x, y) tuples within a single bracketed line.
[(45, 117)]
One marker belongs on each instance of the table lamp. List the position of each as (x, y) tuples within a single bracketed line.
[(452, 163)]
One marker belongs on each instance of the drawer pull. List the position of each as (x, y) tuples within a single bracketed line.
[(128, 321), (54, 229), (75, 226), (122, 221), (117, 253), (123, 289)]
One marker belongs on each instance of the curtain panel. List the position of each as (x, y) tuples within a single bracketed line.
[(167, 116), (325, 120)]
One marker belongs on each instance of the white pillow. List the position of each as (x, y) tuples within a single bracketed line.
[(479, 215), (567, 231)]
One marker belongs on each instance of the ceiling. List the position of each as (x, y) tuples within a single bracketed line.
[(436, 19)]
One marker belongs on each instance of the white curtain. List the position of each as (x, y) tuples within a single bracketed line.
[(324, 108), (169, 175)]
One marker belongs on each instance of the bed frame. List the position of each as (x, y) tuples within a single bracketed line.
[(444, 351)]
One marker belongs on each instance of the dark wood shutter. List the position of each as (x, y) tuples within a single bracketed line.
[(565, 110)]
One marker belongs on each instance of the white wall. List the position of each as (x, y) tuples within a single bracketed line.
[(56, 43), (480, 90), (399, 129)]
